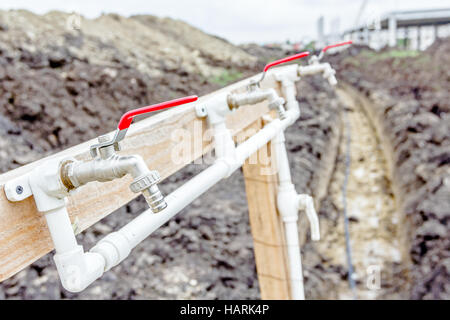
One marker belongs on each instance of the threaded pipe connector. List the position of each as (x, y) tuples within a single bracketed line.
[(154, 199), (147, 184)]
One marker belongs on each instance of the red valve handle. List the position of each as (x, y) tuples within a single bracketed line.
[(336, 45), (287, 59), (127, 118)]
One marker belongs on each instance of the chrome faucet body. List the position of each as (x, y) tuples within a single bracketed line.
[(109, 166)]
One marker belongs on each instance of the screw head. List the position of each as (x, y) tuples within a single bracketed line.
[(19, 189)]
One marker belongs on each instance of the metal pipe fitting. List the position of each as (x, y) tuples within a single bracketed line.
[(276, 102), (110, 166)]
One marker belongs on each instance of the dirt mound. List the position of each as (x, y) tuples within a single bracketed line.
[(60, 86), (149, 44), (411, 94)]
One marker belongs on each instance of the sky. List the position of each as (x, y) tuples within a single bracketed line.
[(243, 21)]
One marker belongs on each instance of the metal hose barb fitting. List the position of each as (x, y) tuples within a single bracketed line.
[(147, 184)]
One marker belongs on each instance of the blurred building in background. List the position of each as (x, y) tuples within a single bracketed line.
[(413, 30)]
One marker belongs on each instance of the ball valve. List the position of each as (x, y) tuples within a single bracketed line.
[(315, 66), (255, 94), (51, 182), (325, 49), (107, 165)]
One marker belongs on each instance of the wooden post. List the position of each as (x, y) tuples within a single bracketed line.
[(266, 225)]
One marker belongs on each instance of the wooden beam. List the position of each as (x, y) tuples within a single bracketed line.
[(267, 229), (24, 237)]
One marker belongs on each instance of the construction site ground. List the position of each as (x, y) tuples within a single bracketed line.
[(60, 87)]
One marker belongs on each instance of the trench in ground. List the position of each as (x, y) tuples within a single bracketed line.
[(374, 220)]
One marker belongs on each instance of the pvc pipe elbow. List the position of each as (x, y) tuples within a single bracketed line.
[(77, 269)]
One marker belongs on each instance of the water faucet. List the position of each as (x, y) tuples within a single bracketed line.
[(255, 94), (107, 165), (325, 68), (51, 182)]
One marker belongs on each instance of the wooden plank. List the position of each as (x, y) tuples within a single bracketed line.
[(24, 237), (266, 225)]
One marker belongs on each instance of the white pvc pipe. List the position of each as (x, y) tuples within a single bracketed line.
[(61, 231), (287, 204), (249, 147), (76, 269), (116, 246), (224, 145), (284, 173), (295, 260), (147, 222)]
